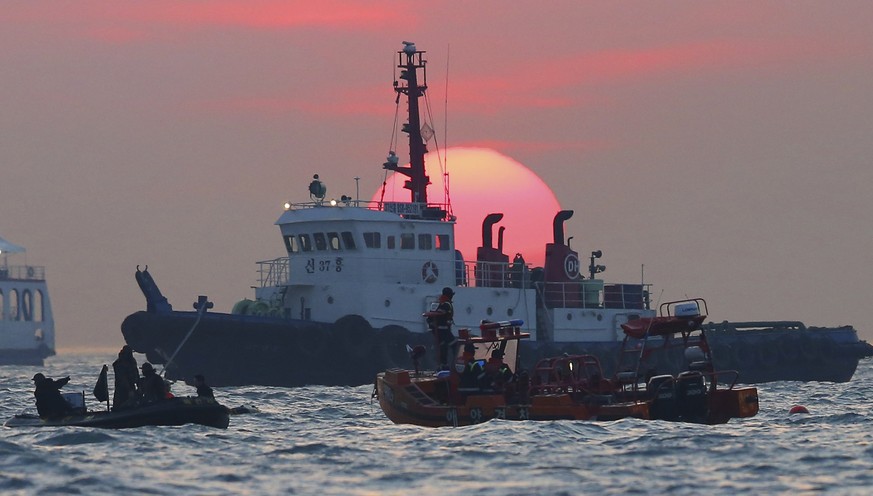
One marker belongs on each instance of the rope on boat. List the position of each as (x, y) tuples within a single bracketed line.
[(202, 304)]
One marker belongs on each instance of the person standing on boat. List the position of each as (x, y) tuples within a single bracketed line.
[(203, 390), (441, 324), (151, 386), (126, 377), (49, 401)]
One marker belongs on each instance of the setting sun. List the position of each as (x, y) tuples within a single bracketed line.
[(481, 182)]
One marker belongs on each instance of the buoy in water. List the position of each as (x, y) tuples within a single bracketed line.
[(798, 409)]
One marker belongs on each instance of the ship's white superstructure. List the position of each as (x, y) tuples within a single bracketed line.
[(27, 328)]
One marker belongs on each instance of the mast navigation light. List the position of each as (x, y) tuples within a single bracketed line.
[(409, 47)]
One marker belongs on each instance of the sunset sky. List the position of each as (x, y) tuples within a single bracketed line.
[(727, 146)]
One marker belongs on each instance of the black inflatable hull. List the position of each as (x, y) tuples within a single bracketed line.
[(176, 411), (236, 350)]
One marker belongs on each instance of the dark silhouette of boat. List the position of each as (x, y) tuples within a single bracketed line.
[(173, 411)]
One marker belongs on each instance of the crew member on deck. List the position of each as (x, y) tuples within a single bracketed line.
[(126, 377), (49, 401), (151, 386), (497, 373), (441, 325), (203, 390), (472, 368)]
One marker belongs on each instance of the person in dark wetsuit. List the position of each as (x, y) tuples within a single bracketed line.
[(203, 390), (441, 325), (49, 401), (497, 374), (126, 378), (472, 368), (151, 386)]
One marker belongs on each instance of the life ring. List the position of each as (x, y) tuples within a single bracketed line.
[(430, 272)]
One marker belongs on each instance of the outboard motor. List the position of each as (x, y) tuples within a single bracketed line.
[(563, 283), (691, 397), (491, 262), (663, 391)]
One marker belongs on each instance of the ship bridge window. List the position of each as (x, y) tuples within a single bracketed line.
[(333, 240), (442, 241), (390, 242), (407, 241), (425, 242), (373, 239), (348, 240), (292, 244), (305, 242), (320, 241)]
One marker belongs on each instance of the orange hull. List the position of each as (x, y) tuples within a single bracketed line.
[(407, 399)]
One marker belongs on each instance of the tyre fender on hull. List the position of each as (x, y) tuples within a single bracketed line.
[(354, 336), (391, 343)]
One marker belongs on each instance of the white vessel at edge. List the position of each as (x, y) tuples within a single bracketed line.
[(27, 326)]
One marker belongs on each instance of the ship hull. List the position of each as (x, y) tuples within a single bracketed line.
[(29, 356), (236, 350)]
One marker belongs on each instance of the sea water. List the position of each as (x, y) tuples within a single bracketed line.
[(336, 440)]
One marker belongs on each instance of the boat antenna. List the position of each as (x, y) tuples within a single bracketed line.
[(410, 62), (446, 134)]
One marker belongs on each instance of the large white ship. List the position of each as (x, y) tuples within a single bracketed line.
[(348, 298), (27, 326)]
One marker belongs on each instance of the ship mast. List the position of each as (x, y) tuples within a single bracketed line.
[(410, 61)]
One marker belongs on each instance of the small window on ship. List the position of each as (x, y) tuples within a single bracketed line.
[(442, 241), (291, 244), (407, 241), (320, 241), (425, 242), (373, 239), (348, 240), (305, 242)]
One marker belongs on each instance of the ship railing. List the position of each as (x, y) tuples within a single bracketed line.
[(594, 294), (22, 272), (482, 274), (408, 210), (273, 272)]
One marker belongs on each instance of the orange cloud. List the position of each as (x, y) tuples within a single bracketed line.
[(126, 21), (555, 82)]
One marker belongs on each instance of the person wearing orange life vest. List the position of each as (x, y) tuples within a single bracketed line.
[(441, 326)]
